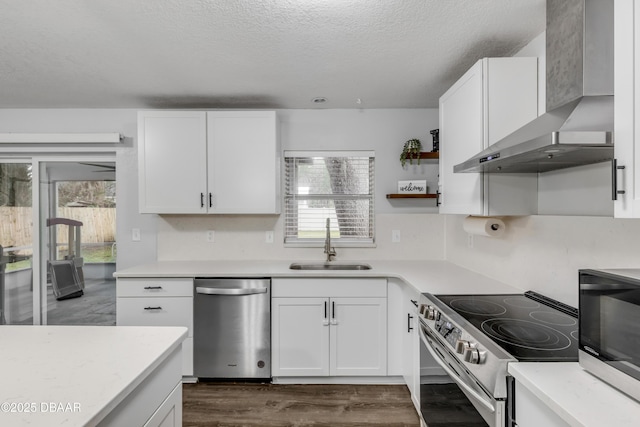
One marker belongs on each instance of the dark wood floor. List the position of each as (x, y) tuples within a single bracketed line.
[(276, 405)]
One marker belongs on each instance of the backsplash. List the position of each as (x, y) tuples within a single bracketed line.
[(184, 237), (544, 253)]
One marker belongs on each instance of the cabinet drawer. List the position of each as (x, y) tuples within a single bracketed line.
[(287, 287), (180, 287), (156, 311)]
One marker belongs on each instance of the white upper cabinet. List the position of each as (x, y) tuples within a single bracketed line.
[(172, 161), (492, 99), (223, 162), (627, 111), (243, 164)]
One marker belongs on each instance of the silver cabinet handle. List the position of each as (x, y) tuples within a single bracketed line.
[(614, 179), (233, 291)]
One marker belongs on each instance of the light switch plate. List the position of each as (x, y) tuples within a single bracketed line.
[(211, 236), (135, 234), (395, 236), (268, 236)]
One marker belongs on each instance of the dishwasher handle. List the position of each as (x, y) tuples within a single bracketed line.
[(230, 291)]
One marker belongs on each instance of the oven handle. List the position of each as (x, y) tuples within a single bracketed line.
[(452, 374)]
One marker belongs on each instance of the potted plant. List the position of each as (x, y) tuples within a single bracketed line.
[(411, 150)]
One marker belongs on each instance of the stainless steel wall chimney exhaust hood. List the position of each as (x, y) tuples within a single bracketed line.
[(578, 126)]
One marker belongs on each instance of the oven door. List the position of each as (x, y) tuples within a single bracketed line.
[(463, 403)]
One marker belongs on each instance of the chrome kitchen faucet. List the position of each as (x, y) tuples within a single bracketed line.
[(331, 252)]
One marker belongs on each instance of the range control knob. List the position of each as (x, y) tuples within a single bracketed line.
[(432, 313), (462, 346), (423, 309), (474, 356)]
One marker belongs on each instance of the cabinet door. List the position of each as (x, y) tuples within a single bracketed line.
[(169, 414), (358, 336), (627, 113), (461, 136), (533, 412), (172, 161), (300, 337), (243, 163), (494, 98), (410, 345)]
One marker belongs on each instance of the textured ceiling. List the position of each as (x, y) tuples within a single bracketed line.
[(250, 53)]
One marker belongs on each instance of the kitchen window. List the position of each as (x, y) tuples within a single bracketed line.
[(338, 186)]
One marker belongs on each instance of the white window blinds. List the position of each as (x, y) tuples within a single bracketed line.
[(334, 185)]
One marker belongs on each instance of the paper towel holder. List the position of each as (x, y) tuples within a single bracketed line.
[(484, 226)]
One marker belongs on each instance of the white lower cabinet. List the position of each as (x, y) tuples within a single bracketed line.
[(411, 345), (532, 412), (358, 336), (329, 327), (158, 302), (155, 402), (170, 413), (300, 337)]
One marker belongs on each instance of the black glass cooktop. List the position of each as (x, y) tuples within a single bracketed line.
[(530, 327)]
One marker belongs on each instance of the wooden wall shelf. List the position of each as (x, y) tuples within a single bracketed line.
[(430, 155), (412, 196)]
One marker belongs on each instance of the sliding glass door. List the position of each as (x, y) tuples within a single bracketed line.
[(78, 228), (16, 243), (62, 233)]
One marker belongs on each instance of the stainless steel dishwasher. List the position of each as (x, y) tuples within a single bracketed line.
[(232, 328)]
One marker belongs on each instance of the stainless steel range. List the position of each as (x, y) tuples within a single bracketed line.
[(475, 337)]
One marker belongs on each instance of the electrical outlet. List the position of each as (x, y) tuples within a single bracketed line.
[(470, 241), (395, 236), (135, 234), (211, 236), (268, 236)]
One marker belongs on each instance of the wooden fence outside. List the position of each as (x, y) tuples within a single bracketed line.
[(99, 225)]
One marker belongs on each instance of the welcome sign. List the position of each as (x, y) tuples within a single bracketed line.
[(412, 187)]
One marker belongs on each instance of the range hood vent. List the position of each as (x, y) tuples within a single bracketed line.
[(578, 126)]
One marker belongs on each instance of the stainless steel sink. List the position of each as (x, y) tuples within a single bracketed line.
[(329, 266)]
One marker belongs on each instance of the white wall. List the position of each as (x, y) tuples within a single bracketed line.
[(238, 237), (382, 130), (544, 253)]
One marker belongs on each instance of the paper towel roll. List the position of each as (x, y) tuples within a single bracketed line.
[(483, 226)]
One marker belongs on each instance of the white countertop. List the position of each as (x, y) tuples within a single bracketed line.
[(85, 371), (436, 277), (578, 397)]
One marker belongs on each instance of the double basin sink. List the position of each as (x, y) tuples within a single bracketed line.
[(329, 266)]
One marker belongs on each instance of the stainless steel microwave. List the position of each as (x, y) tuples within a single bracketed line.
[(609, 342)]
